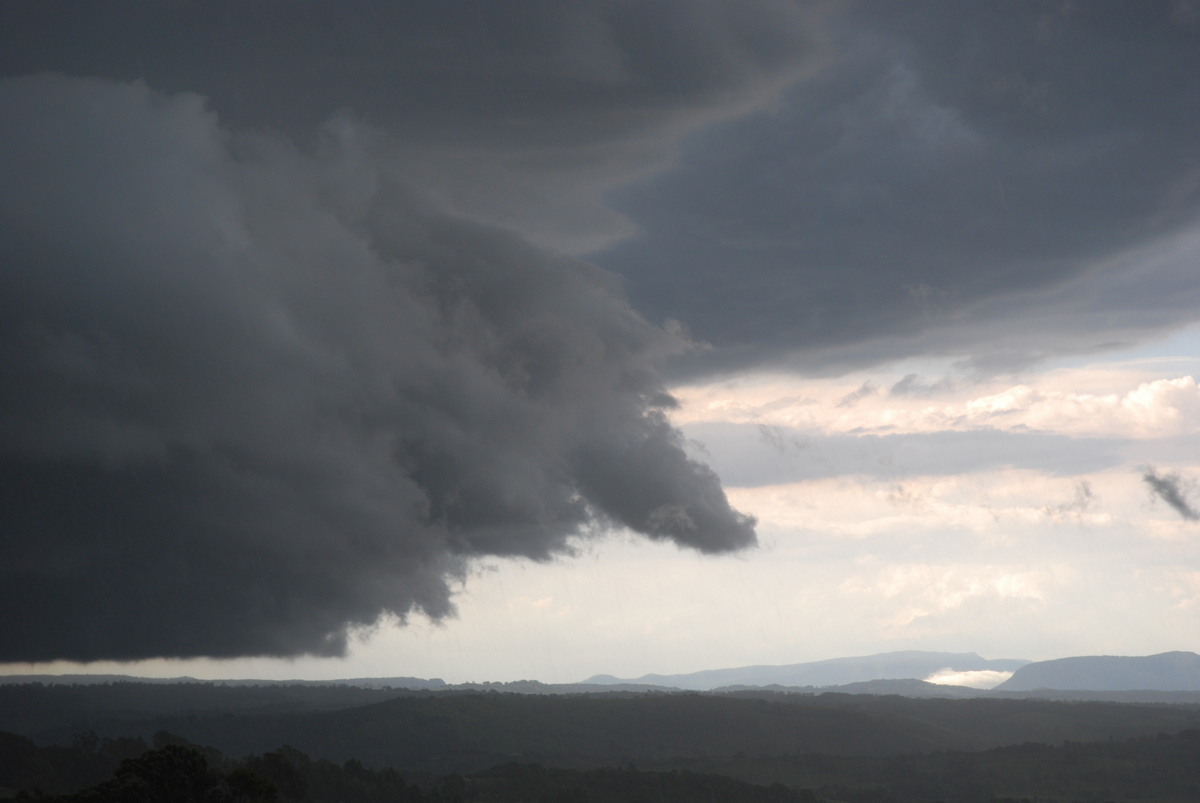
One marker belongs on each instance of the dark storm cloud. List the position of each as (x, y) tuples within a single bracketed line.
[(1169, 488), (519, 113), (857, 182), (959, 178), (252, 394), (524, 72)]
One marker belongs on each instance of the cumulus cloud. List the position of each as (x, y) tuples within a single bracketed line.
[(1161, 407), (1170, 489), (255, 394)]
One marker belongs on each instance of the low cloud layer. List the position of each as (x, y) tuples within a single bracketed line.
[(974, 679), (254, 394), (1130, 407)]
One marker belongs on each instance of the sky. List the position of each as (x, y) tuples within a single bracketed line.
[(536, 340)]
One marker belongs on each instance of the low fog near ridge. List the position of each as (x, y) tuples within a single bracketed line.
[(320, 320)]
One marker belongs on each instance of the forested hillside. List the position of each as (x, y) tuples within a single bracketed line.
[(837, 745), (1162, 768)]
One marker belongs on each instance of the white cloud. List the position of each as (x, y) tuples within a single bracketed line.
[(1160, 408), (1098, 401), (975, 678)]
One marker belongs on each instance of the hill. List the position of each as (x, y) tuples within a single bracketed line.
[(1168, 671), (456, 731)]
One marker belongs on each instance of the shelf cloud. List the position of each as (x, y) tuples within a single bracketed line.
[(255, 394)]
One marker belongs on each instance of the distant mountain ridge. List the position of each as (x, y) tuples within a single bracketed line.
[(914, 664), (1168, 671), (1170, 677)]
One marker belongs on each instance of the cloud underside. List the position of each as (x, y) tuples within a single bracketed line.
[(995, 181), (521, 114), (253, 395), (1002, 182)]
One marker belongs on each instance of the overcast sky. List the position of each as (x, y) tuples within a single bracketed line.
[(543, 339)]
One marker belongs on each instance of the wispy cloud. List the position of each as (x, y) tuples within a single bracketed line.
[(1077, 507), (854, 397), (915, 385), (1170, 489)]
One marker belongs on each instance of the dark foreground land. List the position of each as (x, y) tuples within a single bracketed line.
[(129, 741)]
